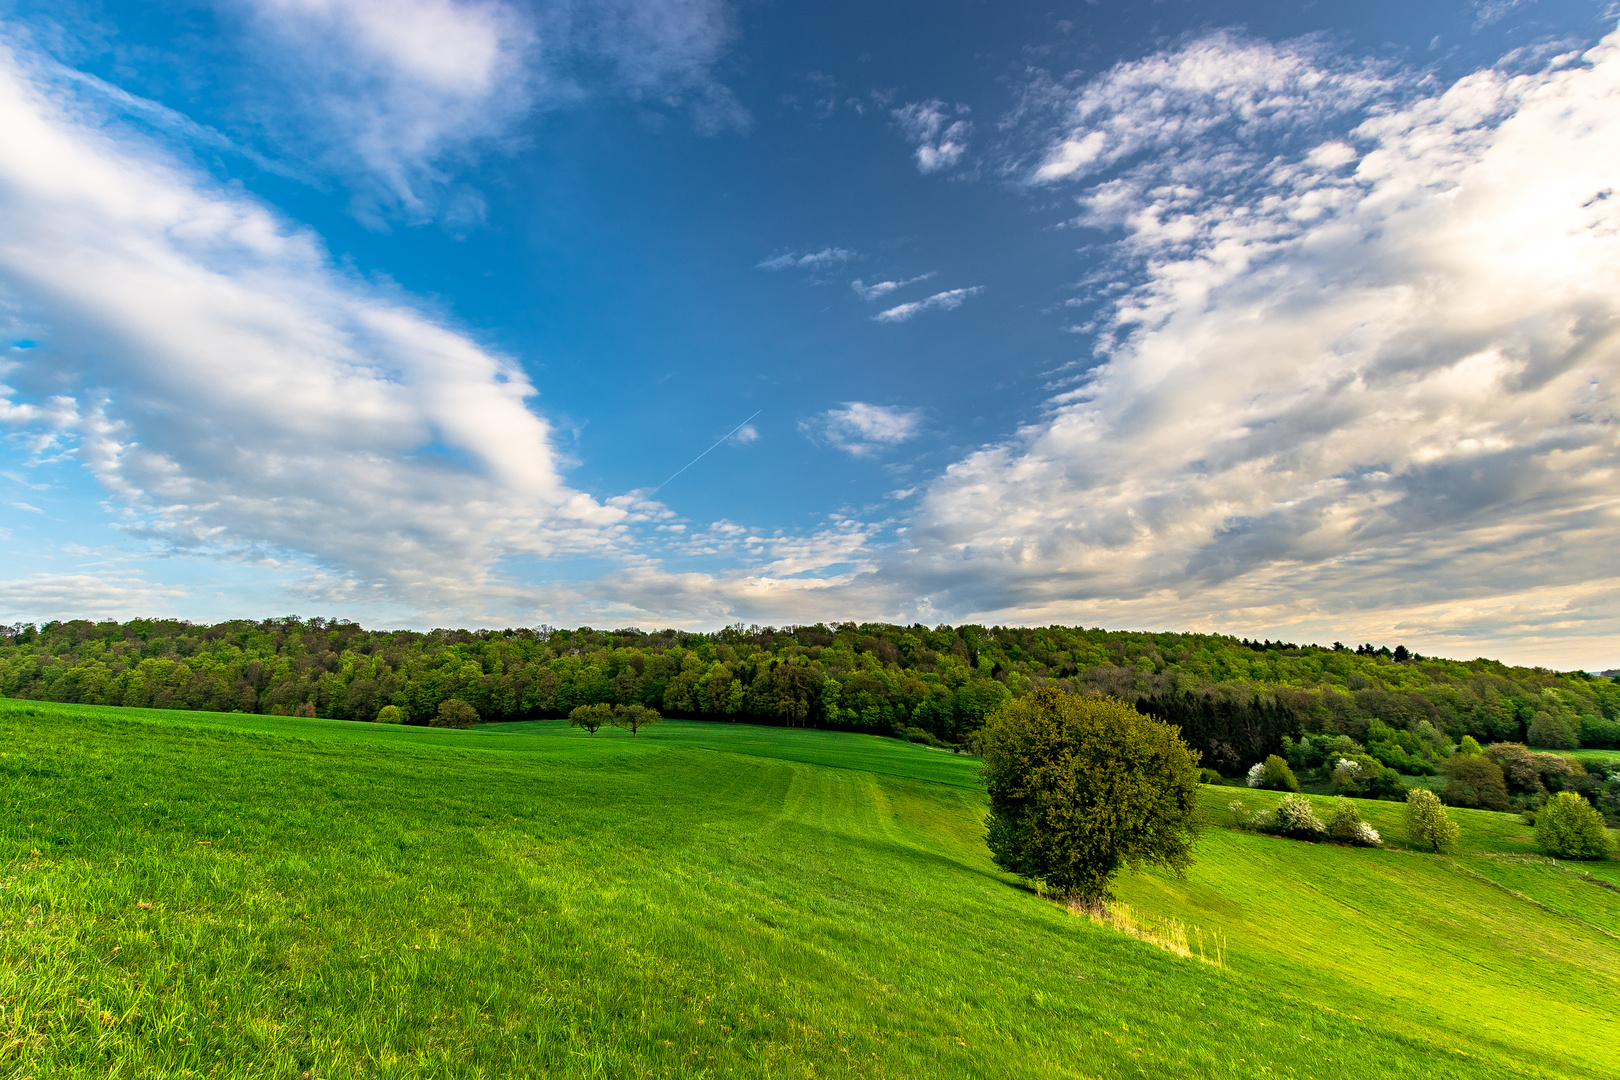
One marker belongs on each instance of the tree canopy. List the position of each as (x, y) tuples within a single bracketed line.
[(1235, 700), (1081, 787)]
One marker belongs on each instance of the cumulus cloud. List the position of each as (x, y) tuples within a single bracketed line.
[(397, 93), (1366, 371), (240, 395), (858, 428), (813, 260), (940, 140), (879, 289), (940, 301)]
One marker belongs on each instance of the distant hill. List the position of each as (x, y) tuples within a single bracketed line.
[(1234, 699)]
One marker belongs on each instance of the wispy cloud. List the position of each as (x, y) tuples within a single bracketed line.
[(878, 290), (243, 396), (940, 132), (861, 429), (396, 95), (940, 301), (814, 260)]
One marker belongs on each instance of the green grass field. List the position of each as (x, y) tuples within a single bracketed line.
[(187, 894)]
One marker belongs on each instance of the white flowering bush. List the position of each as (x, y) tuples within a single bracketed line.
[(1295, 817), (1366, 835), (1346, 774), (1257, 774)]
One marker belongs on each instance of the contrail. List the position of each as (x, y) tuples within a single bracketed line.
[(705, 453)]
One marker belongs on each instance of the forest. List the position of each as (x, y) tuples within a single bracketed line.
[(1235, 700)]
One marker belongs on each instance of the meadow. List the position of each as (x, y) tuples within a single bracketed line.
[(224, 895)]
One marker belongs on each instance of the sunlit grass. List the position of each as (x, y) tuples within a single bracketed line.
[(204, 895)]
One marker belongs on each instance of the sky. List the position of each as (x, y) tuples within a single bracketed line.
[(1289, 320)]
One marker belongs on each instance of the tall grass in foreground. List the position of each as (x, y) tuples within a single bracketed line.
[(218, 896)]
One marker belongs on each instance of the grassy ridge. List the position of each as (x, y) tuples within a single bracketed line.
[(252, 896)]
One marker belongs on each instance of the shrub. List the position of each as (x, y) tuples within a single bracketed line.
[(1344, 821), (1210, 776), (1552, 733), (590, 717), (1469, 745), (1273, 774), (1296, 818), (1386, 784), (1348, 776), (1475, 781), (1081, 787), (1241, 818), (1570, 827), (391, 714), (1426, 822), (455, 713)]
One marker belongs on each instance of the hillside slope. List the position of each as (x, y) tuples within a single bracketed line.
[(199, 894)]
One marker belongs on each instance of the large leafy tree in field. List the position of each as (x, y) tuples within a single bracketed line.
[(1081, 787)]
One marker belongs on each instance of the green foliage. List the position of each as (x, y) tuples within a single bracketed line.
[(1468, 745), (1553, 733), (1234, 701), (390, 714), (634, 717), (1475, 781), (1083, 787), (1568, 826), (1427, 824), (455, 713), (591, 717), (1273, 774)]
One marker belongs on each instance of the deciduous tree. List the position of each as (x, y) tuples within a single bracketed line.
[(1081, 787)]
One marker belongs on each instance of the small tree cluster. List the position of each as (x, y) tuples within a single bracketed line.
[(390, 714), (1273, 774), (1295, 817), (631, 718)]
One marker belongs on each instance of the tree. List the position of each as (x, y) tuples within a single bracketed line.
[(391, 714), (1552, 733), (1570, 827), (590, 717), (455, 713), (1469, 745), (634, 717), (1273, 773), (1081, 787), (1476, 781), (1426, 822)]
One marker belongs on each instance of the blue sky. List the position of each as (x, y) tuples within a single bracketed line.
[(1282, 319)]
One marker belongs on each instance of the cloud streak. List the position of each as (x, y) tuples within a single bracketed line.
[(949, 300)]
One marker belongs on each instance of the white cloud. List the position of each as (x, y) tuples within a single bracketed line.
[(878, 290), (398, 93), (940, 301), (861, 429), (940, 140), (813, 260), (114, 594), (1346, 390), (398, 88), (242, 396), (30, 507)]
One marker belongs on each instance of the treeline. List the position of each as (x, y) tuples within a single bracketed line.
[(1235, 700)]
